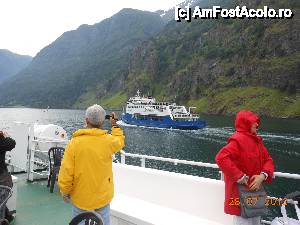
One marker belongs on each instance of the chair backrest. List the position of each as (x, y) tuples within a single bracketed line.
[(90, 218), (5, 193), (56, 154)]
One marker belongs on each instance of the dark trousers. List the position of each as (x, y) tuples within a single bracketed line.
[(5, 179)]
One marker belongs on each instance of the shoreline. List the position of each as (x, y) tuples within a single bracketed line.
[(297, 117)]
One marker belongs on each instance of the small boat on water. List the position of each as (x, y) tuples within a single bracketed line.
[(146, 111)]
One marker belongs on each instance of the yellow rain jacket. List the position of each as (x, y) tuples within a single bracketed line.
[(86, 169)]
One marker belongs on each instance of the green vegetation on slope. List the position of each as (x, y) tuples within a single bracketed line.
[(113, 101), (264, 101)]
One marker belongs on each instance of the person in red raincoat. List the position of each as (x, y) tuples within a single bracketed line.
[(244, 160)]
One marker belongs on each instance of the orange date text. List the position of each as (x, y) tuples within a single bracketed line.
[(253, 200)]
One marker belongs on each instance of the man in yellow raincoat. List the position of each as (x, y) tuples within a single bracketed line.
[(85, 177)]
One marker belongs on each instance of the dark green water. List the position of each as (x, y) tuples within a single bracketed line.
[(281, 137)]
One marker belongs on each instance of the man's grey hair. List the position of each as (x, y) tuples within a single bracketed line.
[(95, 115)]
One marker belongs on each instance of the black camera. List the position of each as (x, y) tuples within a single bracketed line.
[(107, 117)]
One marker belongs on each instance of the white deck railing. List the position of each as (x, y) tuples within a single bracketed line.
[(143, 158), (192, 163), (33, 161)]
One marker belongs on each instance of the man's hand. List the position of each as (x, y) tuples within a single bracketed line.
[(66, 198), (113, 119), (4, 134), (256, 182)]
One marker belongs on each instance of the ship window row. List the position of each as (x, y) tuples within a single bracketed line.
[(135, 107), (150, 103), (154, 103), (147, 117), (138, 107)]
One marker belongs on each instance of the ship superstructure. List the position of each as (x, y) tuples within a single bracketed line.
[(146, 111)]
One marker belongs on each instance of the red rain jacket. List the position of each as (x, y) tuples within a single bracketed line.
[(244, 153)]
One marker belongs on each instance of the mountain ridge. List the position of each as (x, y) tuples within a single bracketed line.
[(11, 63)]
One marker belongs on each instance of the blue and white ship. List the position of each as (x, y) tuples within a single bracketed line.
[(147, 112)]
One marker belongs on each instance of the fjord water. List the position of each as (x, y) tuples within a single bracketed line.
[(281, 137)]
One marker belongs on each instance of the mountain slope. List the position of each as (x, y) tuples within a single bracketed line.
[(222, 65), (11, 64), (88, 58)]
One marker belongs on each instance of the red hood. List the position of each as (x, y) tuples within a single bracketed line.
[(244, 120)]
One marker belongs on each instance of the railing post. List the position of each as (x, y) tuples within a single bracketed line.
[(222, 175), (122, 158), (176, 162), (11, 167), (114, 159), (143, 162), (30, 175)]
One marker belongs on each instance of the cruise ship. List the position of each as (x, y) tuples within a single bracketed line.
[(147, 112)]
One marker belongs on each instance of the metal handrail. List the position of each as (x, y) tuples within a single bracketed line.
[(50, 141), (193, 163), (175, 161), (35, 149), (287, 175)]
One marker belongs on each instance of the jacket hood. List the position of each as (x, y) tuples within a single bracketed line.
[(244, 120), (89, 132)]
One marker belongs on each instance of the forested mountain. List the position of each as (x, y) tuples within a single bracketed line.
[(224, 65), (11, 64), (220, 65), (89, 58)]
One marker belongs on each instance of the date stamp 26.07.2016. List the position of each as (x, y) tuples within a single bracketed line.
[(253, 200)]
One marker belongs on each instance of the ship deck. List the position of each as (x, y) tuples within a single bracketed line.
[(144, 196), (37, 206), (131, 205)]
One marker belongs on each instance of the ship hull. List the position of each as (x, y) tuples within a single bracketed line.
[(162, 122)]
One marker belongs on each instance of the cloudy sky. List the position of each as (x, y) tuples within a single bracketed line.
[(29, 25)]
